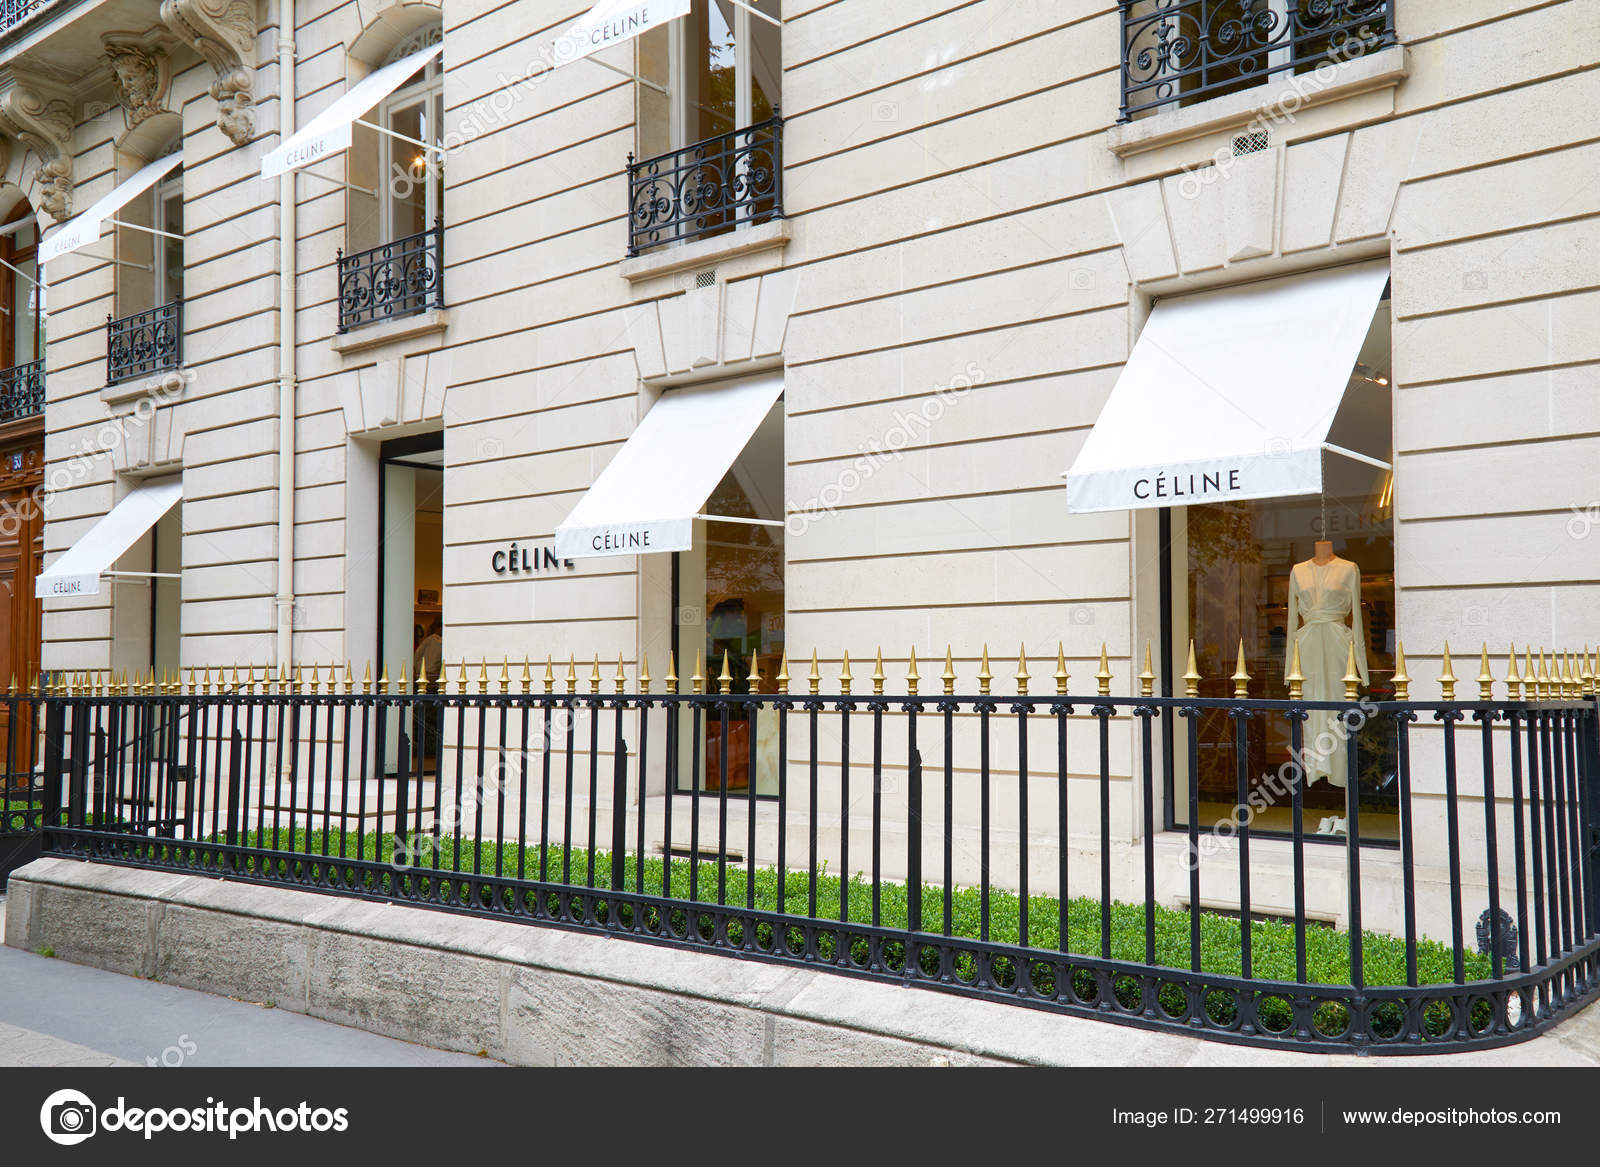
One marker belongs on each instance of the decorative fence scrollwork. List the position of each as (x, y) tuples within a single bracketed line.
[(22, 391), (1179, 51), (708, 188), (393, 280), (144, 343)]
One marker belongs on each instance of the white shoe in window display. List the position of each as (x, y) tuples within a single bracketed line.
[(1331, 825)]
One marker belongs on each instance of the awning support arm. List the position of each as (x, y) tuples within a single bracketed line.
[(756, 12), (143, 574), (418, 142), (632, 76), (139, 227), (746, 522), (309, 173), (1333, 449), (113, 259)]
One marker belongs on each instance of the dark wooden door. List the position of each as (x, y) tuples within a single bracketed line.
[(21, 552)]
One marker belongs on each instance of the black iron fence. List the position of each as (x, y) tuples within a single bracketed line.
[(1002, 847), (144, 343), (22, 391), (394, 280), (1178, 51), (705, 189)]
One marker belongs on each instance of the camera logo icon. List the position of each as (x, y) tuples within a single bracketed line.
[(68, 1117)]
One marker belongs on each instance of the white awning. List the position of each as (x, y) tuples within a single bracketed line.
[(84, 229), (329, 132), (611, 22), (1230, 394), (78, 571), (648, 496)]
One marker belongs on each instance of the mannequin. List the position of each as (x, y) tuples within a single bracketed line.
[(1324, 593)]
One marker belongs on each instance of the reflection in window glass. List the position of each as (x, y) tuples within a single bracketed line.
[(1314, 572)]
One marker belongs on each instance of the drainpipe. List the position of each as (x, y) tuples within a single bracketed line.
[(286, 342)]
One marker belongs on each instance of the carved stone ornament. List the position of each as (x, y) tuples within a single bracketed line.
[(142, 75), (224, 33), (35, 115)]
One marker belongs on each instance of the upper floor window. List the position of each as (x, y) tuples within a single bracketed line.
[(718, 117), (726, 69), (1177, 52), (413, 175)]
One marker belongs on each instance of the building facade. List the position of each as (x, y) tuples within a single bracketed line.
[(771, 330)]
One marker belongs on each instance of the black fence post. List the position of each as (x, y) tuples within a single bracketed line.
[(619, 818), (235, 780), (54, 754)]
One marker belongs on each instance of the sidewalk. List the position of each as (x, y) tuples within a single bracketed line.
[(57, 1014)]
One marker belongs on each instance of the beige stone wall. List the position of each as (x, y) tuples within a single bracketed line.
[(971, 246)]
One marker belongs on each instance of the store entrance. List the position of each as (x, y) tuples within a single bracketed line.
[(411, 578)]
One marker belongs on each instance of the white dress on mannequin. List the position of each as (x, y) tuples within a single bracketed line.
[(1322, 597)]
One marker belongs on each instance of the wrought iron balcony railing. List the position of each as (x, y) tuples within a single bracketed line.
[(22, 391), (15, 12), (1003, 846), (144, 343), (713, 186), (1175, 52), (393, 280)]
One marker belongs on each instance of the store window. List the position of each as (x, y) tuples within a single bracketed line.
[(727, 75), (730, 603), (1314, 572), (23, 295)]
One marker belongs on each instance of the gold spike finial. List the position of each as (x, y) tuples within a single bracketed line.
[(505, 674), (1485, 677), (755, 673), (949, 674), (1447, 679), (1402, 682), (620, 680), (725, 678), (1022, 670), (1147, 679), (422, 675), (1241, 676), (405, 681), (383, 678), (349, 677), (844, 675), (1352, 674), (527, 674), (1513, 678), (366, 679), (1191, 675), (572, 673), (1569, 675), (783, 672), (549, 675), (644, 672), (1062, 676), (594, 675), (985, 677), (877, 673), (1585, 674), (698, 681), (1544, 676), (672, 671), (1296, 679), (191, 678), (815, 678), (1102, 675), (912, 677)]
